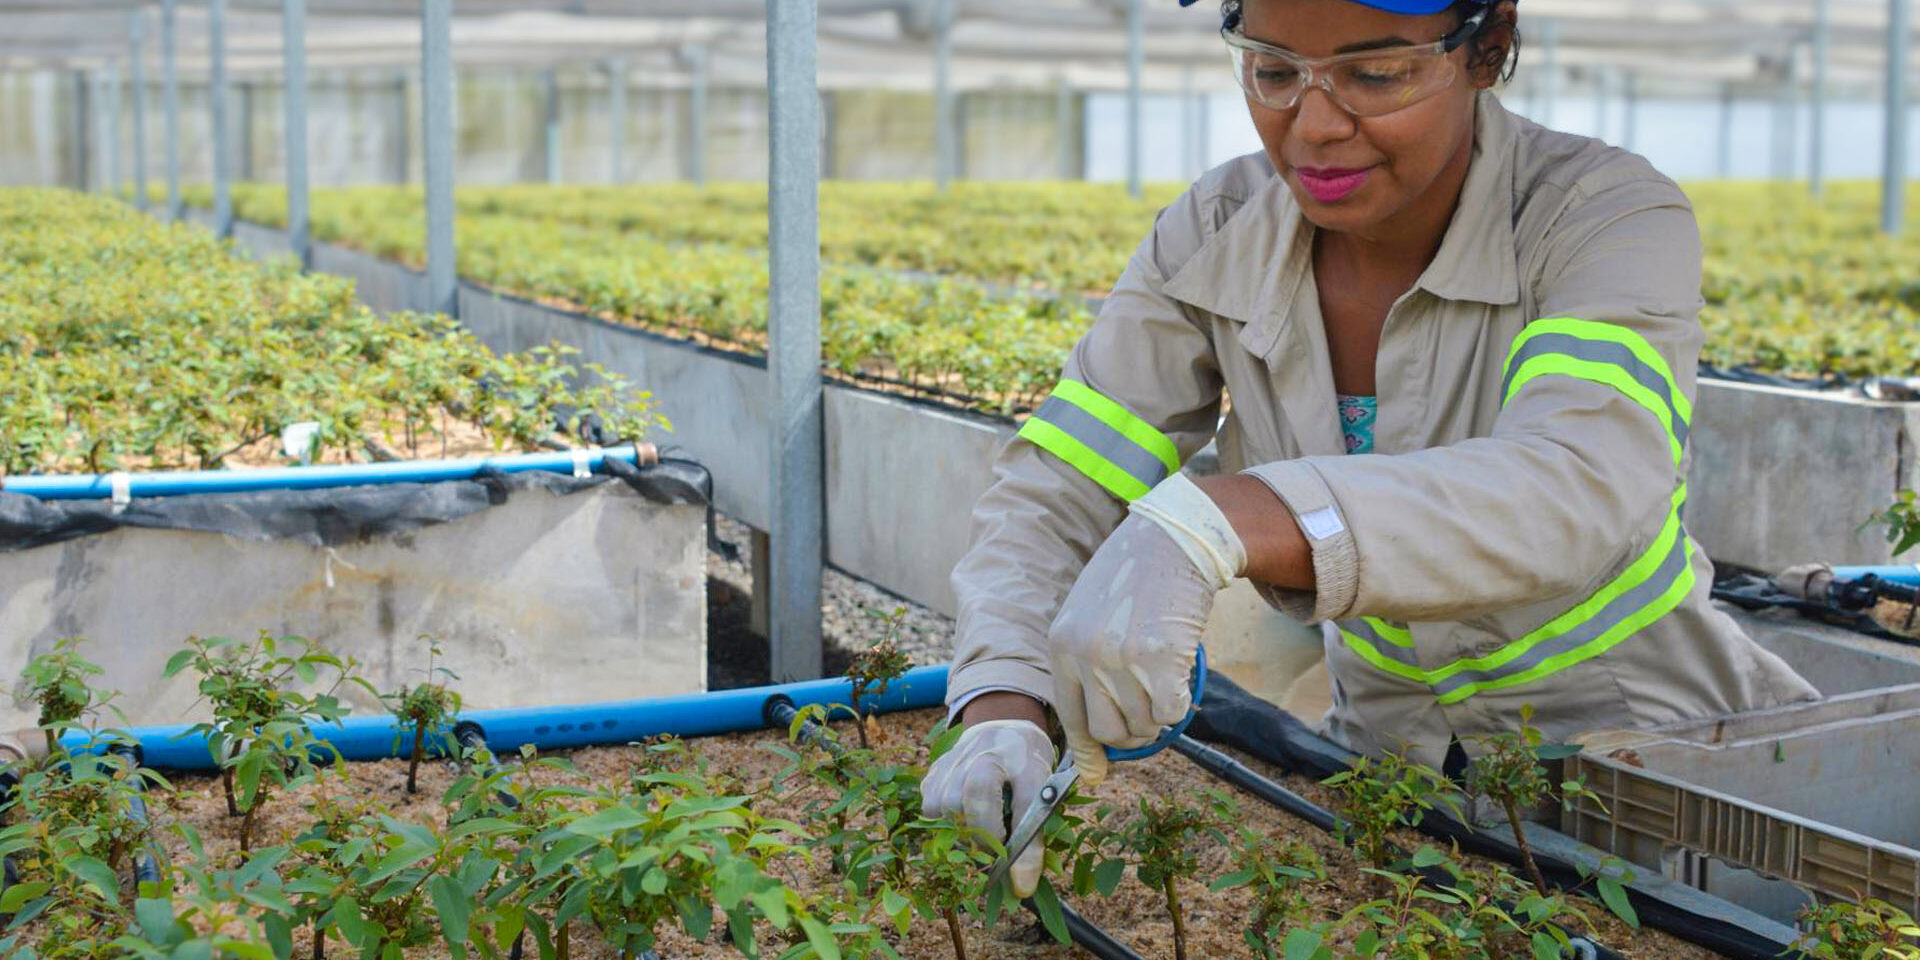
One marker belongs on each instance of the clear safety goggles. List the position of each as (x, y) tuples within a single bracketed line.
[(1369, 83)]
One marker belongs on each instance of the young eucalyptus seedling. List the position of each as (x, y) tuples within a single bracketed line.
[(1276, 871), (261, 733), (427, 706), (1162, 842), (58, 683), (73, 835), (1869, 930), (1381, 795), (874, 668), (1511, 771)]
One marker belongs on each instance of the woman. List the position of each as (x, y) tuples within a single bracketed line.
[(1460, 349)]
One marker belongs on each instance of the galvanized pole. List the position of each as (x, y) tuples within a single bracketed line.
[(110, 117), (293, 39), (1136, 64), (1189, 127), (170, 93), (1822, 47), (793, 211), (1549, 70), (243, 140), (1067, 132), (550, 84), (217, 97), (1632, 135), (84, 106), (1204, 108), (1600, 103), (402, 136), (1726, 131), (1893, 182), (697, 114), (942, 93), (137, 34), (616, 119), (436, 109)]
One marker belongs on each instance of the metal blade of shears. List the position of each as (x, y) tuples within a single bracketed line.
[(1032, 820)]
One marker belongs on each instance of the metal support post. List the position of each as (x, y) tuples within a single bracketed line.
[(1549, 70), (110, 124), (1204, 108), (943, 147), (550, 110), (137, 90), (293, 40), (1189, 128), (222, 136), (1893, 182), (616, 120), (1066, 131), (83, 134), (401, 132), (170, 82), (243, 139), (436, 113), (1822, 49), (1725, 165), (1630, 138), (793, 211), (1136, 65), (1600, 103), (697, 84)]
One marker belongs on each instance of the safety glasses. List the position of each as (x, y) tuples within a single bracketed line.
[(1370, 83)]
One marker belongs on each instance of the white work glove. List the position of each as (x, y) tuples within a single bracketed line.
[(968, 780), (1124, 643)]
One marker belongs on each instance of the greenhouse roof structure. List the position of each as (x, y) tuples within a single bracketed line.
[(888, 43)]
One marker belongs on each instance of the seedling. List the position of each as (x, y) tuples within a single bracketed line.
[(874, 668), (1381, 795), (1276, 872), (58, 683), (1868, 930), (73, 836), (1512, 772), (427, 705), (1902, 520), (261, 734), (1162, 845)]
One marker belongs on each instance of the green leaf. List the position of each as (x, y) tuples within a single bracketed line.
[(19, 894), (96, 874), (1107, 876), (1047, 903), (1557, 751), (608, 822), (454, 908), (821, 938), (1614, 895), (1428, 857), (1545, 947), (1301, 945), (155, 917)]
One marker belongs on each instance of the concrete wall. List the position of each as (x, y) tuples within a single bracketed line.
[(1785, 476), (598, 595)]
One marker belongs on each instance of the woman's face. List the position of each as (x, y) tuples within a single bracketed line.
[(1399, 158)]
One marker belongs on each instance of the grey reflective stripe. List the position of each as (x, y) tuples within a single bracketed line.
[(1362, 630), (1623, 606), (1601, 351), (1136, 460)]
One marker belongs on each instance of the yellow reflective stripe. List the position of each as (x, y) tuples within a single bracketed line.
[(1121, 420), (1613, 333), (1396, 635), (1078, 455), (1634, 575), (1606, 373), (1367, 652)]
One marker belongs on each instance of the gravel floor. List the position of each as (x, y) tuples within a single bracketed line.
[(737, 657)]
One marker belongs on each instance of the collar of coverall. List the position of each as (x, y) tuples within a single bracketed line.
[(1267, 240)]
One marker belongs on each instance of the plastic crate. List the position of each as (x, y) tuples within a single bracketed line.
[(1824, 795)]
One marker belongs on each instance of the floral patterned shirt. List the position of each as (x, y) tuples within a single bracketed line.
[(1356, 421)]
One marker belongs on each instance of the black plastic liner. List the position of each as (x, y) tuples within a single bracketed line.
[(1230, 716), (332, 516)]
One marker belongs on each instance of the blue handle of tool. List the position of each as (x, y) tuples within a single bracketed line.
[(1169, 735)]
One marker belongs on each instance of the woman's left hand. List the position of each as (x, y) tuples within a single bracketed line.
[(1127, 635)]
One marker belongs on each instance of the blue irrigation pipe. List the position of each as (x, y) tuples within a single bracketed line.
[(174, 747), (100, 486), (1899, 573)]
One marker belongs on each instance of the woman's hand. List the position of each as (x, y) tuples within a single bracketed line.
[(1127, 636)]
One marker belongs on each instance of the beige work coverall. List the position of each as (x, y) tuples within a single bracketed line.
[(1514, 539)]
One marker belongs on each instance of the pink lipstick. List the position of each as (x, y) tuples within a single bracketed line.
[(1330, 184)]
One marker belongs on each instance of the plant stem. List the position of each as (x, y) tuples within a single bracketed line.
[(953, 932), (413, 763), (563, 947), (226, 783), (53, 745), (1526, 851), (1179, 921), (319, 942), (246, 827)]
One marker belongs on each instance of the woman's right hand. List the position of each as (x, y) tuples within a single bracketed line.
[(1005, 746)]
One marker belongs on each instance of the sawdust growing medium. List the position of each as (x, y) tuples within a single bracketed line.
[(1134, 915)]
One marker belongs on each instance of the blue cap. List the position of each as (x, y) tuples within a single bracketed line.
[(1413, 7)]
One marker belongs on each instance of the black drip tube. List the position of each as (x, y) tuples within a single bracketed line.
[(146, 866), (1240, 775), (9, 785), (473, 738), (780, 712)]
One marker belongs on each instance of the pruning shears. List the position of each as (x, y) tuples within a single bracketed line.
[(1054, 791)]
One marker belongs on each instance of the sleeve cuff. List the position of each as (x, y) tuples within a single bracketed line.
[(1336, 561), (986, 676)]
